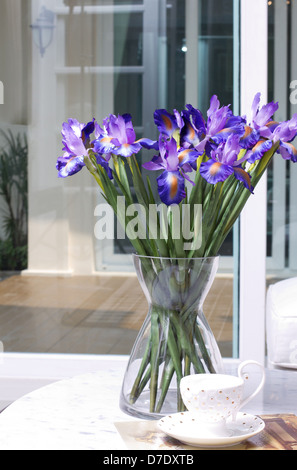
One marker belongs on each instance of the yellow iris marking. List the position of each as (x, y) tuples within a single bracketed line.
[(167, 122), (215, 168), (173, 187)]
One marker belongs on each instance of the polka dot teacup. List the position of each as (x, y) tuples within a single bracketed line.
[(216, 397)]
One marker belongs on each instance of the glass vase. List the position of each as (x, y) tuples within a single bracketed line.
[(175, 339)]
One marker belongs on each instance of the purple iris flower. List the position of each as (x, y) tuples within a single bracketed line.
[(224, 162), (261, 119), (118, 137), (271, 132), (219, 125), (285, 132), (217, 117), (258, 135), (76, 141), (77, 146), (194, 129), (174, 162), (221, 122), (187, 127)]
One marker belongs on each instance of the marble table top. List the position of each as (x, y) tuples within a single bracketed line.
[(79, 413)]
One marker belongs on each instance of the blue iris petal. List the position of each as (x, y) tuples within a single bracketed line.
[(244, 177), (215, 172), (103, 144), (126, 150), (148, 143), (171, 187), (288, 151), (258, 150), (87, 131), (250, 137), (165, 122), (68, 167)]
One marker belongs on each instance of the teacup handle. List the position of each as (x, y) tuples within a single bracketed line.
[(260, 386)]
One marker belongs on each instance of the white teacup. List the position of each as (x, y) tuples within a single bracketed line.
[(215, 397)]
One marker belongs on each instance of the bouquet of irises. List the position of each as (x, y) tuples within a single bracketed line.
[(212, 163)]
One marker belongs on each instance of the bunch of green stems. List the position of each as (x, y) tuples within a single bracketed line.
[(221, 205)]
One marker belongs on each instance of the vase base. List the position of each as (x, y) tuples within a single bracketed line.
[(140, 409)]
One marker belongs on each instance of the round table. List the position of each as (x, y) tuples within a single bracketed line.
[(79, 413)]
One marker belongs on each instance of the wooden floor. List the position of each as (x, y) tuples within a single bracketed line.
[(91, 315)]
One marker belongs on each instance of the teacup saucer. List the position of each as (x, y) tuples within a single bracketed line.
[(188, 430)]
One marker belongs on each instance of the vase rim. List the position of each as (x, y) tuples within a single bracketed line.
[(136, 255)]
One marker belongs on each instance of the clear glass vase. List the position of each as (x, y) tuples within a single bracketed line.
[(175, 339)]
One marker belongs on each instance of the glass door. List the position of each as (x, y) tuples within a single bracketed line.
[(117, 56)]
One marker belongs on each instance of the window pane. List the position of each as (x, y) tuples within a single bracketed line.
[(103, 56), (216, 52), (280, 220), (282, 177)]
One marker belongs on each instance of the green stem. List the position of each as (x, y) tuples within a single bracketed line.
[(154, 359), (166, 380), (172, 345), (186, 346), (204, 352), (144, 363)]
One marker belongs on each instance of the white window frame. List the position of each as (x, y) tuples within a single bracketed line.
[(254, 74)]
